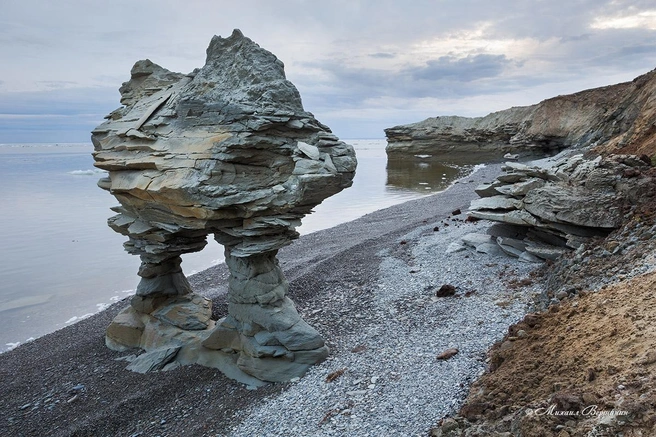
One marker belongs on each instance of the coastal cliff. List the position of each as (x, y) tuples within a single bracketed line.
[(614, 119)]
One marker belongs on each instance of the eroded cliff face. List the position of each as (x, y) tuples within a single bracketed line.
[(614, 119)]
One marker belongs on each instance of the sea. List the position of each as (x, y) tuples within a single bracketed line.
[(60, 262)]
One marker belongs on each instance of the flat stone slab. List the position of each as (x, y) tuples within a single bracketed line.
[(495, 203), (153, 360)]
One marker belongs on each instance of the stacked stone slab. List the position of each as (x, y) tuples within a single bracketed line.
[(226, 150), (559, 208)]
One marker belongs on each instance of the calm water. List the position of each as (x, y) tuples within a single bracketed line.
[(60, 262)]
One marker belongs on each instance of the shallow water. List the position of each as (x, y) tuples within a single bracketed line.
[(60, 262)]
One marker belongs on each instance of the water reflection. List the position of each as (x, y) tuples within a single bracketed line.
[(422, 174)]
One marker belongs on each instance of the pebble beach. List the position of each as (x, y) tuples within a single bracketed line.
[(369, 286)]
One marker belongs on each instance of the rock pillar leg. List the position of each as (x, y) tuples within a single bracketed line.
[(263, 327), (163, 303), (162, 276)]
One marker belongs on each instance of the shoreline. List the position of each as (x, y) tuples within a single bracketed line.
[(119, 295), (68, 382)]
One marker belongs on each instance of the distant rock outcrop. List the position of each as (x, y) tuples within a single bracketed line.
[(226, 150), (616, 119)]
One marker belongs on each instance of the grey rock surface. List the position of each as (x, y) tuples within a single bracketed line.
[(226, 150), (563, 204)]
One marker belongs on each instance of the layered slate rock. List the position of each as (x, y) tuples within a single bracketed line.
[(559, 208), (226, 150)]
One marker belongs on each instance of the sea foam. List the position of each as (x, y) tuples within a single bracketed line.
[(90, 172)]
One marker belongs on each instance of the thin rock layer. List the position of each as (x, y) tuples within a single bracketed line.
[(226, 150)]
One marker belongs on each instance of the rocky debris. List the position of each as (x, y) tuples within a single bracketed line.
[(558, 209), (448, 353), (615, 119), (226, 150)]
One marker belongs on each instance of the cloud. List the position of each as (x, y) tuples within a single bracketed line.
[(382, 55), (375, 62), (56, 84), (443, 77), (642, 19), (575, 38), (465, 69)]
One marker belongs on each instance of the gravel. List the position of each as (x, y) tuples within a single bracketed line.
[(392, 383)]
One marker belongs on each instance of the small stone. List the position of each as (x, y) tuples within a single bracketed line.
[(334, 375), (562, 294), (455, 247), (649, 358), (153, 360), (445, 290), (521, 333), (449, 425), (456, 212), (531, 319), (448, 353), (310, 151), (474, 239)]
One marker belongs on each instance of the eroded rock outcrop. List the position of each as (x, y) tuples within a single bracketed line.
[(559, 208), (226, 150), (616, 119)]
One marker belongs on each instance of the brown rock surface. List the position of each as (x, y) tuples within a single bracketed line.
[(592, 355), (616, 119)]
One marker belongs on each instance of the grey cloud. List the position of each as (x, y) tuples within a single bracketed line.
[(382, 55), (55, 84), (462, 70), (576, 38), (443, 77), (629, 56)]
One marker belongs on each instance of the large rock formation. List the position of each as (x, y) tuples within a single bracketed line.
[(617, 119), (226, 150), (559, 208)]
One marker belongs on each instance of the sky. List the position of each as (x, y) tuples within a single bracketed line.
[(360, 66)]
